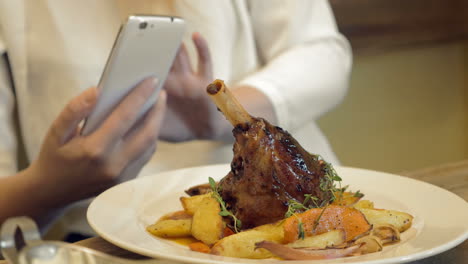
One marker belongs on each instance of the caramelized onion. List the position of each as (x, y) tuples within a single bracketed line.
[(288, 253)]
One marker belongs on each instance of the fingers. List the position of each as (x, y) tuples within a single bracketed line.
[(140, 145), (205, 67), (65, 126), (146, 132), (182, 60), (124, 115)]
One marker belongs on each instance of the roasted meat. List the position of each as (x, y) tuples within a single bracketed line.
[(269, 168)]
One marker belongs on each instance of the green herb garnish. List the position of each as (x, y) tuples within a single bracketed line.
[(224, 211), (294, 207), (328, 184), (311, 199), (358, 194), (301, 233), (316, 223)]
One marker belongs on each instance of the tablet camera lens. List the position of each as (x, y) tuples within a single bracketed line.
[(143, 25)]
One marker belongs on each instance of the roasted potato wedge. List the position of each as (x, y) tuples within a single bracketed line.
[(325, 240), (400, 220), (347, 199), (364, 204), (191, 203), (242, 245), (207, 224), (170, 228)]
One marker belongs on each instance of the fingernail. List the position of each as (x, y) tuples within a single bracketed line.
[(91, 95), (151, 83), (162, 96), (196, 34), (154, 81)]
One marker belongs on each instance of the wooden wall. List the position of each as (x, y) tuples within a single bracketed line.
[(375, 25)]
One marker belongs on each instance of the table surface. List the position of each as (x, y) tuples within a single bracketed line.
[(452, 176)]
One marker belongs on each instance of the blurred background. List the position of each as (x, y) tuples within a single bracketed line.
[(407, 105)]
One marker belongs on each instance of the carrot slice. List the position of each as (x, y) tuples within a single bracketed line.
[(228, 232), (199, 247), (348, 219)]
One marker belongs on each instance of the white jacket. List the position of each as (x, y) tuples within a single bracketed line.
[(290, 50)]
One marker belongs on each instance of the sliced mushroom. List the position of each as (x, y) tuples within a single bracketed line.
[(369, 244), (288, 253), (386, 233)]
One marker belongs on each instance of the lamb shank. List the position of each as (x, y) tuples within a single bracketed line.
[(269, 169)]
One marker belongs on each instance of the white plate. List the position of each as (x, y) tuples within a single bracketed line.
[(121, 214)]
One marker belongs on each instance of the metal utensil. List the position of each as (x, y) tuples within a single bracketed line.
[(21, 243)]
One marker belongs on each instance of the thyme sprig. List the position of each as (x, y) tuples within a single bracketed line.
[(312, 200), (224, 211), (327, 185), (300, 226), (328, 182), (358, 194), (316, 223), (295, 207)]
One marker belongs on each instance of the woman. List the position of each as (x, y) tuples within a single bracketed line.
[(285, 61)]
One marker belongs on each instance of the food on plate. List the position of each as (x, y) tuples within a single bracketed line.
[(243, 244), (326, 240), (400, 220), (277, 201), (192, 203), (386, 233), (320, 220), (269, 167), (207, 223), (171, 228), (198, 189), (199, 247), (307, 254)]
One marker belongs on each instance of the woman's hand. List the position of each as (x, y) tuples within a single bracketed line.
[(71, 167), (190, 113)]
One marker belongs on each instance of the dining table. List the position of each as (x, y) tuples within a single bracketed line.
[(450, 176)]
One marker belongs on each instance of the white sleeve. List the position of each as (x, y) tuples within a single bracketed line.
[(8, 145), (2, 45), (306, 60)]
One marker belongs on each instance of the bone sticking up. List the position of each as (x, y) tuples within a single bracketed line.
[(269, 167), (228, 104)]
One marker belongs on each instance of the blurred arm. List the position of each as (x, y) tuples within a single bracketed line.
[(306, 61)]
